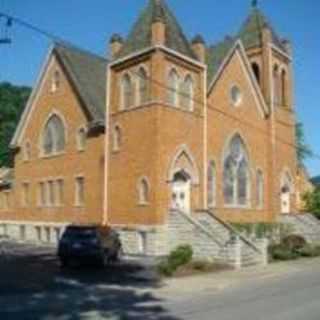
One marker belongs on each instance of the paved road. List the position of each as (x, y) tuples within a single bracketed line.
[(295, 296), (32, 286)]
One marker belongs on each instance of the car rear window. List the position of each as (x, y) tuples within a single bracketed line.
[(81, 233)]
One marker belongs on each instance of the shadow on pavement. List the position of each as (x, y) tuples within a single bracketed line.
[(32, 286)]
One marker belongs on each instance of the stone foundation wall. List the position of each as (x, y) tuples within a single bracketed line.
[(39, 233)]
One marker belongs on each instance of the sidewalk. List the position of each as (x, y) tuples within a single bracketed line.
[(226, 279)]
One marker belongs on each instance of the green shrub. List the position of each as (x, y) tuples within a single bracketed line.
[(309, 251), (283, 253), (294, 242), (177, 258), (180, 256)]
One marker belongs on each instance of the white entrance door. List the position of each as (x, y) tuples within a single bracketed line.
[(181, 195), (285, 202)]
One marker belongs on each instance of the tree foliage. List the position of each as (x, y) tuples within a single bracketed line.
[(312, 202), (303, 149), (12, 101)]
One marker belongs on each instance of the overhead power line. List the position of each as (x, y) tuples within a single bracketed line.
[(54, 37)]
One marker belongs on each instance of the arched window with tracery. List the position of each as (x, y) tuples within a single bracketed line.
[(236, 174), (127, 92), (53, 136), (173, 87), (211, 184), (143, 86)]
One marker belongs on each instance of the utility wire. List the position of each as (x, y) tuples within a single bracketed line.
[(164, 86)]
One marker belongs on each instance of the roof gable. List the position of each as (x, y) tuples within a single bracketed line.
[(88, 75), (140, 36), (239, 51)]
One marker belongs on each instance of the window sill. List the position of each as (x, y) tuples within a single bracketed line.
[(235, 206), (53, 155), (143, 204)]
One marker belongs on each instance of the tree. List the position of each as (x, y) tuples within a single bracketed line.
[(303, 149), (12, 101), (312, 202)]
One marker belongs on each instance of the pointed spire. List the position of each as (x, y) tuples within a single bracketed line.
[(254, 4), (158, 12)]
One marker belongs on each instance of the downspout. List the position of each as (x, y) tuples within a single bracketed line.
[(106, 149), (205, 139)]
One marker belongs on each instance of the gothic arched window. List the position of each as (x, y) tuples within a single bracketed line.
[(53, 136), (116, 138), (127, 92), (143, 86), (172, 91), (211, 184), (256, 71), (283, 88), (81, 139), (236, 175), (276, 85), (143, 191)]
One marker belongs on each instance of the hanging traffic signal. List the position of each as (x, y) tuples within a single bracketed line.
[(4, 38)]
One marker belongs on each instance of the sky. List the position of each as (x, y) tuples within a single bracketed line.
[(89, 24)]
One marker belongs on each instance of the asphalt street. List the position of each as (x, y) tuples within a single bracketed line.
[(32, 286)]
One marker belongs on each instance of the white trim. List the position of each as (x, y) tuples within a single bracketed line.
[(281, 52), (26, 115), (205, 142), (161, 47), (106, 148)]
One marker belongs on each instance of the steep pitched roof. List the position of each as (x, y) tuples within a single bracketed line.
[(215, 56), (88, 73), (251, 31), (140, 36)]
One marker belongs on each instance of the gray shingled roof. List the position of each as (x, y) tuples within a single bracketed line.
[(215, 56), (140, 36), (88, 73)]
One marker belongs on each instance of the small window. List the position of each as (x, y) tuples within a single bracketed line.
[(51, 194), (79, 192), (143, 86), (38, 233), (256, 71), (27, 151), (81, 139), (47, 234), (55, 84), (60, 192), (127, 92), (276, 85), (211, 184), (172, 91), (284, 88), (236, 96), (143, 189), (116, 138), (260, 189), (25, 195), (42, 194)]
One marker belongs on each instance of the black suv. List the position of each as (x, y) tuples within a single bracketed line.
[(90, 245)]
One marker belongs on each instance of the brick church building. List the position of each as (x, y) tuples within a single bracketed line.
[(164, 126)]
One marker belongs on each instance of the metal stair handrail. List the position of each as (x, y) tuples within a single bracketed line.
[(233, 230)]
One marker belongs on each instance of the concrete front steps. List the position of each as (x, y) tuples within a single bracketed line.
[(213, 238), (304, 224)]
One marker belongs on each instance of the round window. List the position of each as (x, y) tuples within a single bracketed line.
[(236, 96)]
